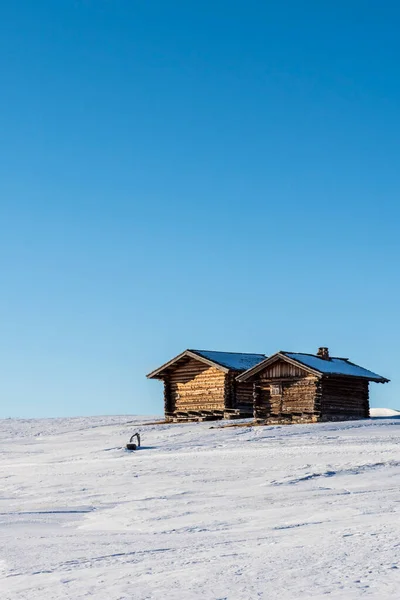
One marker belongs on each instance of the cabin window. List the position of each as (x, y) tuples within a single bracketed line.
[(276, 389)]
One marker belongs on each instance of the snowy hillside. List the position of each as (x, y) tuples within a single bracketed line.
[(295, 512)]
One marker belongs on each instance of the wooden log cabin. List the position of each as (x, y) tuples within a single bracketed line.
[(202, 385), (291, 387)]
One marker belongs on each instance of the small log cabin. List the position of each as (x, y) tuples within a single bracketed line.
[(295, 387), (202, 385)]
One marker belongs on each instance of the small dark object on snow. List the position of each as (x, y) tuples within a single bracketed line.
[(131, 445)]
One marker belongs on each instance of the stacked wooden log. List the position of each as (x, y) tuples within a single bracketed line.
[(167, 398), (299, 396), (280, 397), (344, 397), (192, 415), (325, 398), (244, 397), (288, 419), (195, 386)]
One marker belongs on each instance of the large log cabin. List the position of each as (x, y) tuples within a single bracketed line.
[(295, 387), (287, 387), (202, 385)]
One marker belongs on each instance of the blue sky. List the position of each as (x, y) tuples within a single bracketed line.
[(216, 175)]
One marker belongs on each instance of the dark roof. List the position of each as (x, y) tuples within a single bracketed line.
[(334, 366), (316, 364), (226, 361), (237, 361)]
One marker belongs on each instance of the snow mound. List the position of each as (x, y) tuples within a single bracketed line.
[(384, 412)]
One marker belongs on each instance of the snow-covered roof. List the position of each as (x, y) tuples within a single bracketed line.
[(237, 361), (316, 364), (334, 366), (249, 364)]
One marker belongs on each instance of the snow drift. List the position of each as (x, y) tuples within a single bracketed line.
[(199, 512), (384, 412)]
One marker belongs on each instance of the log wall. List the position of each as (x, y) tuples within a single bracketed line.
[(194, 386), (244, 398), (230, 390), (281, 370), (297, 397), (167, 398), (309, 398), (344, 398)]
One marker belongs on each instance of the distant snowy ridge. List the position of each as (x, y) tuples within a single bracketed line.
[(384, 412)]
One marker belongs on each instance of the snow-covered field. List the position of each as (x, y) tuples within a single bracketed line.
[(302, 511)]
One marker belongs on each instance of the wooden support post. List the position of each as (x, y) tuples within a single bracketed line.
[(229, 393), (168, 410), (366, 405), (256, 398)]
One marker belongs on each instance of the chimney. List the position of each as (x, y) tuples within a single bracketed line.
[(323, 353)]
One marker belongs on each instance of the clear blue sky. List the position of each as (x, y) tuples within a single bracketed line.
[(218, 175)]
